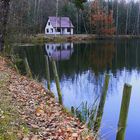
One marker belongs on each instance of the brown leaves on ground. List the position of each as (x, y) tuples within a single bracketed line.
[(45, 118)]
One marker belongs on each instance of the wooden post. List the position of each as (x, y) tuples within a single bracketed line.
[(57, 81), (27, 67), (72, 110), (47, 72), (101, 104), (14, 63), (124, 112)]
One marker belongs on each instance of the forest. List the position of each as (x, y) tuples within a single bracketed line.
[(30, 16)]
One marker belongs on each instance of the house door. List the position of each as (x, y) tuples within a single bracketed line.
[(63, 30)]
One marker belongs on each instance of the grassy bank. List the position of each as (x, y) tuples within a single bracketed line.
[(30, 112), (7, 112), (12, 127), (42, 38)]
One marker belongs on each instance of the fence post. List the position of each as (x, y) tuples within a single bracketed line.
[(27, 67), (124, 112), (57, 81), (47, 72), (101, 104)]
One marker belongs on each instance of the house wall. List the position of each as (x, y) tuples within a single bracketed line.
[(52, 30), (49, 28), (65, 31), (72, 31)]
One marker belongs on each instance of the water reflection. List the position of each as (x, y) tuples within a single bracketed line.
[(100, 110), (101, 56), (59, 51)]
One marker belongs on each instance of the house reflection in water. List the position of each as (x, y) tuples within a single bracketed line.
[(59, 51)]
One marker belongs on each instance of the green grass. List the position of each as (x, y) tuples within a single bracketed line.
[(10, 122)]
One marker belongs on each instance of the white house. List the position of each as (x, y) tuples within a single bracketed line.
[(59, 25), (59, 51)]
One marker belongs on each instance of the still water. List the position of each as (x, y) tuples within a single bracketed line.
[(82, 68)]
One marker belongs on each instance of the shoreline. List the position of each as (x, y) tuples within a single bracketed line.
[(38, 109), (42, 38)]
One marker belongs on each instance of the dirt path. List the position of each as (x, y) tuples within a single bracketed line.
[(33, 113)]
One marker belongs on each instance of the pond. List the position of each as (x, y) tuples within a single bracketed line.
[(82, 68)]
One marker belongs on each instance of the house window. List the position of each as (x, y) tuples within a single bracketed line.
[(47, 30), (58, 30), (68, 29), (48, 23), (52, 30)]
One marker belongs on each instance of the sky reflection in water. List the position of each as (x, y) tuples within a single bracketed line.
[(86, 86)]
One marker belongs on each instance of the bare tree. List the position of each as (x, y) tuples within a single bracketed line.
[(138, 20), (126, 26), (117, 19), (4, 9)]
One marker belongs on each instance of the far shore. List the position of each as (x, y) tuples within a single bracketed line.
[(42, 38)]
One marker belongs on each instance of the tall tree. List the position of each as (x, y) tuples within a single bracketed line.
[(127, 16), (138, 20), (4, 10), (117, 17), (80, 7)]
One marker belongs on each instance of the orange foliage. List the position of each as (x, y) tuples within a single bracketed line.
[(101, 20)]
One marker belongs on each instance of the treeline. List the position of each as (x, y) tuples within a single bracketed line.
[(96, 17), (30, 16), (127, 17)]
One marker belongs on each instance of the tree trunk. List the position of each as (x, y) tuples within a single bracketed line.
[(138, 20), (4, 9), (126, 26), (77, 21), (117, 19)]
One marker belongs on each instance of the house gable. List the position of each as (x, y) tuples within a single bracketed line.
[(49, 29), (59, 25)]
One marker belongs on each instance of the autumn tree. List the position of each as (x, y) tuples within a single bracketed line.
[(102, 19)]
